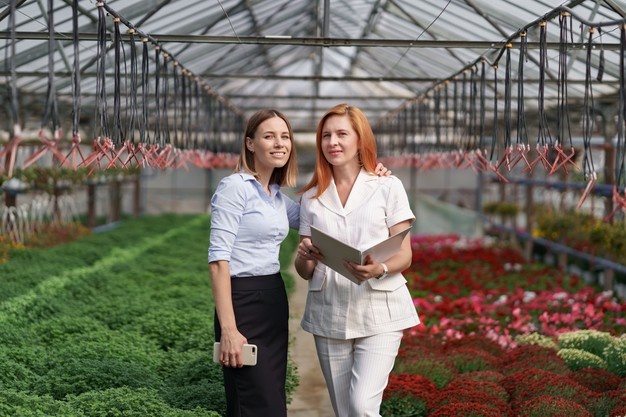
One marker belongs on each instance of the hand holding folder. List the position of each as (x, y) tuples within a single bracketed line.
[(335, 252)]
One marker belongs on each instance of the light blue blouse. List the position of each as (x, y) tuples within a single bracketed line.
[(248, 226)]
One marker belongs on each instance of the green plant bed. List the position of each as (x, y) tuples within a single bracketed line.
[(115, 323)]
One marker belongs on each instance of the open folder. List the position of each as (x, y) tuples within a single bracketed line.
[(335, 251)]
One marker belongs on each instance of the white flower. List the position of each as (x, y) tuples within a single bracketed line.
[(529, 296)]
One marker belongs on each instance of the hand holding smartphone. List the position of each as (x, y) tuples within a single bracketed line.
[(248, 352)]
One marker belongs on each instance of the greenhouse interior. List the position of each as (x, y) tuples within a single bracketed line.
[(504, 121)]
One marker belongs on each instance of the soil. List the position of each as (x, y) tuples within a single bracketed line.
[(311, 398)]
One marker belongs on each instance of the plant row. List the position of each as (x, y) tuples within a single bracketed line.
[(503, 337), (114, 324)]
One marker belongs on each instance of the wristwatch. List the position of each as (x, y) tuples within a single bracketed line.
[(385, 272)]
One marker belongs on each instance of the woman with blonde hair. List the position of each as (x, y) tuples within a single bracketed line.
[(250, 218)]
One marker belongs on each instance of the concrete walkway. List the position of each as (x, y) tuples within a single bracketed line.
[(310, 399)]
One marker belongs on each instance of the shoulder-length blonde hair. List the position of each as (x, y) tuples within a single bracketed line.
[(366, 145), (284, 176)]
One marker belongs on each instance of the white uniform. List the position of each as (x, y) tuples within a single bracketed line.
[(357, 328)]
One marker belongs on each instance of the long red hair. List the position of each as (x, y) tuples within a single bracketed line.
[(366, 145)]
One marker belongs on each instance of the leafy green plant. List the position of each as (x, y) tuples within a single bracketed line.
[(579, 359), (115, 323)]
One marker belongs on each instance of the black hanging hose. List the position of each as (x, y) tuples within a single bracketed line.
[(621, 117), (75, 72), (543, 131), (588, 111), (101, 97), (522, 133), (494, 138), (51, 112), (563, 130), (144, 134), (118, 131), (134, 88), (507, 99)]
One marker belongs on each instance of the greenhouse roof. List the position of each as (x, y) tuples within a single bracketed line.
[(302, 57)]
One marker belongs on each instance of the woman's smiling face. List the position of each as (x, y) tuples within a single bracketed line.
[(271, 144)]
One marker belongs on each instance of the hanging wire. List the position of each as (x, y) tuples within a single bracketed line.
[(507, 98), (176, 80), (134, 88), (494, 138), (157, 95), (76, 101), (464, 112), (165, 132), (588, 111), (197, 107), (543, 132), (101, 97), (482, 108), (563, 129), (144, 134), (437, 115), (620, 149), (522, 133), (472, 139), (118, 131), (51, 112)]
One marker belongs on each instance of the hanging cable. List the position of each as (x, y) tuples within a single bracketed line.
[(620, 149), (75, 72), (482, 109), (507, 98), (522, 134), (165, 132), (117, 81), (563, 130), (157, 95), (543, 131), (133, 107), (144, 134), (588, 111), (51, 112), (101, 98), (494, 138)]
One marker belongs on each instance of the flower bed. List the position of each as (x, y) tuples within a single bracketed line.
[(503, 337)]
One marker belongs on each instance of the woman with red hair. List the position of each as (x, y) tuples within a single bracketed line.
[(357, 327)]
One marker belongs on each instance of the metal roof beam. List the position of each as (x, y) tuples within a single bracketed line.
[(44, 74), (326, 42)]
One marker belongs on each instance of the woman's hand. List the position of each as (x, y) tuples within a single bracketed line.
[(381, 170), (231, 346), (371, 269), (307, 251)]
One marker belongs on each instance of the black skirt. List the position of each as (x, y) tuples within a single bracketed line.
[(262, 316)]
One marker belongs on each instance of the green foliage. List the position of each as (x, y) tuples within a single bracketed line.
[(536, 339), (126, 402), (501, 208), (583, 232), (615, 356), (592, 341), (77, 376), (609, 349), (579, 359), (439, 371), (399, 405), (118, 323), (15, 403)]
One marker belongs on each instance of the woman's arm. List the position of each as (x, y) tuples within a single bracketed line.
[(232, 341)]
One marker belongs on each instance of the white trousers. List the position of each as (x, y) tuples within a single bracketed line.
[(357, 371)]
